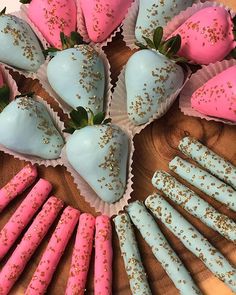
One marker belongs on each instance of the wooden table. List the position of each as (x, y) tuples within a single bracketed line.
[(154, 148)]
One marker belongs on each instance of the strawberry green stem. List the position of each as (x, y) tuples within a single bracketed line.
[(4, 97), (169, 47), (3, 11), (67, 42), (81, 118), (25, 1)]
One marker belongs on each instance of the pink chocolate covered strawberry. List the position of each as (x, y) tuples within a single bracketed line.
[(52, 17), (217, 97), (207, 36), (102, 17)]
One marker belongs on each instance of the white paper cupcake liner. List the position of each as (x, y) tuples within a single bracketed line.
[(118, 107), (9, 81), (129, 24), (36, 160), (89, 194), (41, 75), (130, 21), (81, 27), (178, 20), (196, 81)]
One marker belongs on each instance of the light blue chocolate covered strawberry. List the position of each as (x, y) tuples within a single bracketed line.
[(151, 77), (99, 153), (157, 13), (27, 128), (77, 75), (19, 47)]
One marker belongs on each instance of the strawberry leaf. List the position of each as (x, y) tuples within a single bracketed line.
[(99, 118), (4, 97), (79, 117), (157, 37), (233, 53), (149, 42), (69, 130), (3, 11), (107, 121), (173, 45), (141, 46), (50, 51), (25, 1)]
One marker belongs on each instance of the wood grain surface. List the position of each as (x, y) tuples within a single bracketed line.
[(154, 148)]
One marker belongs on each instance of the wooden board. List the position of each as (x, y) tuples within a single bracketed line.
[(154, 148)]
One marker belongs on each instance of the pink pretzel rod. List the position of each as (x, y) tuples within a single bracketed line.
[(81, 255), (28, 245), (19, 183), (103, 256), (23, 215), (52, 255)]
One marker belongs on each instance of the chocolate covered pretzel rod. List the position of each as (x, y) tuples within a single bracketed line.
[(52, 255), (81, 255), (193, 240), (131, 256), (161, 249), (212, 162), (103, 256), (205, 182), (29, 243), (196, 206), (23, 214), (19, 183)]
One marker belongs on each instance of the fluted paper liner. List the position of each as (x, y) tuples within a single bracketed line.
[(33, 159), (129, 25), (118, 107), (179, 19), (196, 81), (90, 195), (81, 27), (9, 81), (43, 80), (130, 21)]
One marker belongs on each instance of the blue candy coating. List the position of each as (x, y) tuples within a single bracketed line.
[(26, 127), (99, 154), (77, 75), (150, 79), (19, 45)]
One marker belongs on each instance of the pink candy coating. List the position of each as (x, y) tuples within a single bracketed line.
[(207, 36), (217, 97), (20, 182), (81, 255), (52, 255), (102, 17), (103, 256), (53, 17), (29, 243), (23, 215)]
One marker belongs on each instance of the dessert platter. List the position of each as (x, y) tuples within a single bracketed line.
[(118, 147)]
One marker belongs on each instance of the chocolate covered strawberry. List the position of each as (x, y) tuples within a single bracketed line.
[(217, 97), (102, 17), (19, 45), (98, 151), (52, 17), (27, 128), (151, 77), (77, 74), (207, 36)]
